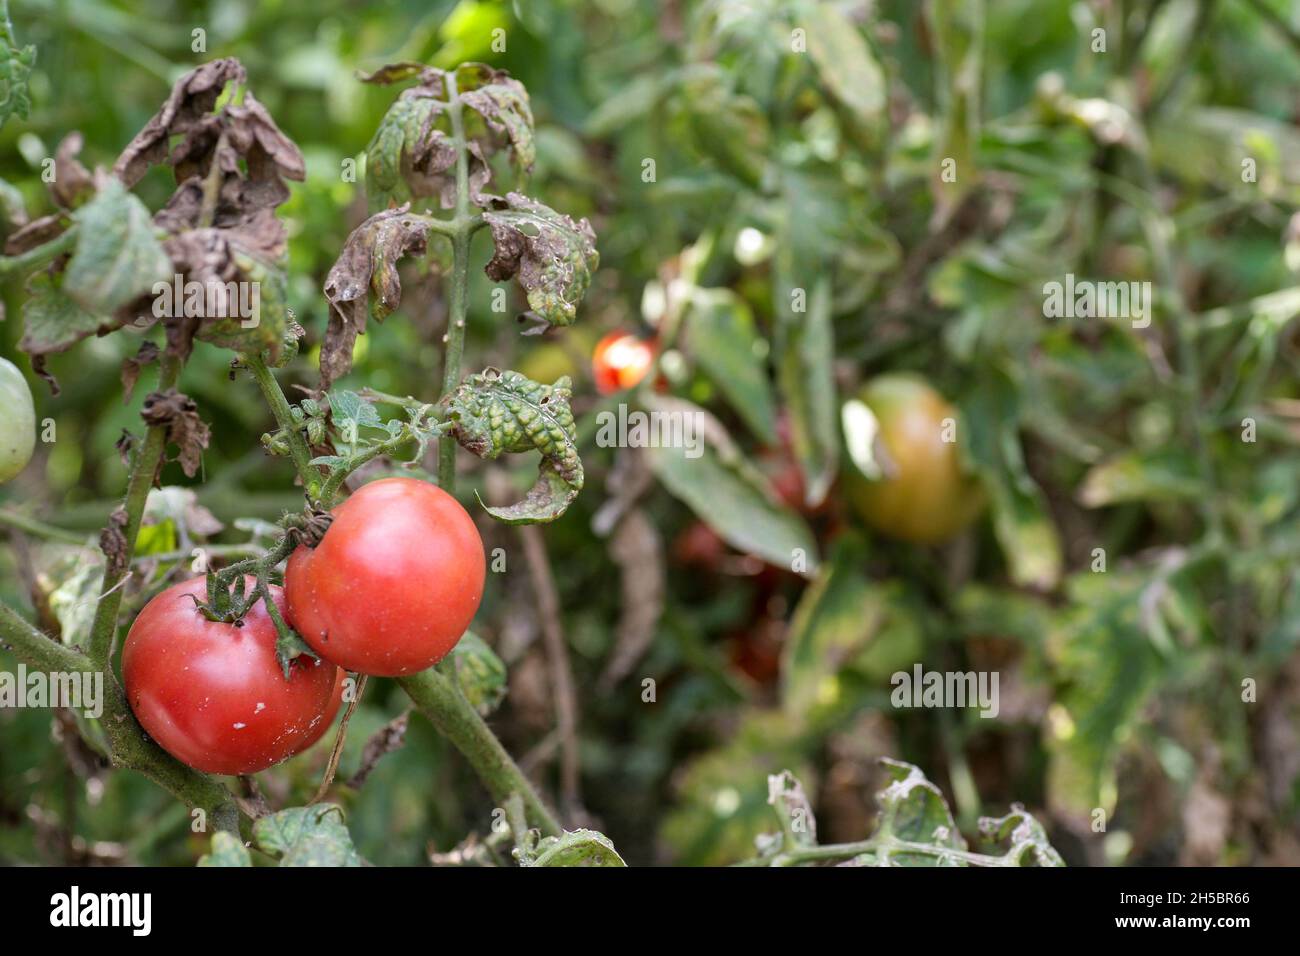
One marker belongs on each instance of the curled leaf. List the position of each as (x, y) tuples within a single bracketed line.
[(192, 97), (494, 412), (412, 154), (72, 184), (553, 256), (178, 413), (367, 266)]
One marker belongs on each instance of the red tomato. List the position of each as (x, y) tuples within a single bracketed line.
[(394, 582), (620, 360), (213, 694)]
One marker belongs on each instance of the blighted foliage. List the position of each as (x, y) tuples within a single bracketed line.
[(553, 256), (495, 412), (468, 114), (913, 828), (217, 234)]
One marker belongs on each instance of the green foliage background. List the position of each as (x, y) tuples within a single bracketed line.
[(1122, 691)]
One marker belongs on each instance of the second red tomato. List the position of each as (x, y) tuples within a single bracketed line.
[(394, 582)]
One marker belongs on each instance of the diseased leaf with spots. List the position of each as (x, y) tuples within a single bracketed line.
[(553, 256), (495, 412), (308, 836), (227, 850), (364, 282), (575, 848)]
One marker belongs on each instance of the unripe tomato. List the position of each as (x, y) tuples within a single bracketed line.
[(394, 582), (213, 694), (620, 360), (17, 421), (923, 496)]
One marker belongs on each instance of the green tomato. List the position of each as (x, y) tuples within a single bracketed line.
[(17, 421)]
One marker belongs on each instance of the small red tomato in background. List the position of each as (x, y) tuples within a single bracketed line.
[(620, 360), (394, 582), (213, 694)]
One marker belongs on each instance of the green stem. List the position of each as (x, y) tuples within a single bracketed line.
[(39, 529), (279, 405), (144, 468), (33, 259), (440, 699), (463, 227), (129, 746), (876, 845)]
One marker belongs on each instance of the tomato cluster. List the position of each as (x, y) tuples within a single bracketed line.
[(389, 590)]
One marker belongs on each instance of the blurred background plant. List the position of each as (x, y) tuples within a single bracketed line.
[(1130, 578)]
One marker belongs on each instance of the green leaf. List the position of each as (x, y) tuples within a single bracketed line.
[(805, 353), (726, 344), (52, 321), (351, 412), (15, 73), (307, 836), (1020, 837), (401, 143), (227, 850), (1104, 655), (553, 256), (502, 102), (1134, 476), (116, 258), (846, 64), (1024, 529), (576, 848), (728, 128), (480, 672), (494, 412), (844, 621), (73, 601), (729, 495), (912, 809)]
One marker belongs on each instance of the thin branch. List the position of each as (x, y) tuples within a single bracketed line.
[(39, 529), (557, 653), (332, 767), (144, 469), (279, 405)]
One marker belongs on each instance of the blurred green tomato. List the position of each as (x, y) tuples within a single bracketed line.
[(922, 495), (17, 421)]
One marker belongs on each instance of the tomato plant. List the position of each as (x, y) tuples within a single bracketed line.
[(920, 492), (394, 582), (212, 693)]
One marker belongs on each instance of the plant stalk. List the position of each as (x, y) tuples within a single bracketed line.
[(144, 469), (279, 405), (440, 699)]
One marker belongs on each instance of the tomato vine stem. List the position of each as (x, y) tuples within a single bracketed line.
[(144, 468), (440, 699), (279, 405)]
